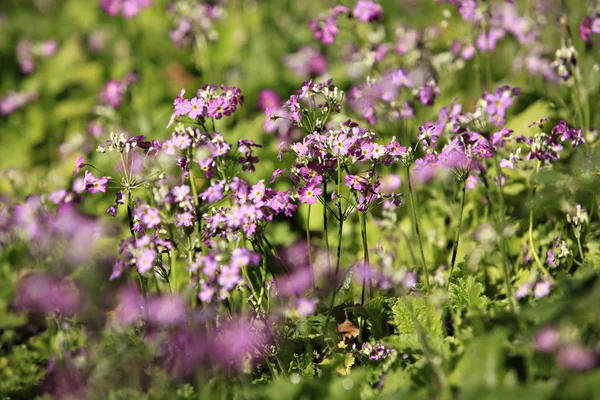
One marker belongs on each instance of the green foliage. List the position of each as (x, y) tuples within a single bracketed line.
[(414, 313), (468, 293)]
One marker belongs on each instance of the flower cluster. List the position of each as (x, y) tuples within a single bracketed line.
[(128, 8), (27, 52), (318, 154), (565, 62), (383, 96), (547, 147), (373, 352), (569, 355), (49, 230), (194, 21), (541, 287), (325, 27), (220, 271), (578, 221), (208, 103)]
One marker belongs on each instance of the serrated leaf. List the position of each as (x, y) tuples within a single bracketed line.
[(417, 311), (468, 293)]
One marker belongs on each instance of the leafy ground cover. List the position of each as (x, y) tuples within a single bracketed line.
[(287, 200)]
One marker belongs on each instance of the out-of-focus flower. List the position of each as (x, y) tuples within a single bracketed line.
[(547, 340), (306, 62), (575, 357), (48, 294), (12, 101), (128, 8)]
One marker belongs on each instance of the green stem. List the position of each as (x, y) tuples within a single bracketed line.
[(325, 227), (417, 230), (457, 235), (531, 244), (580, 248), (310, 263), (366, 266), (502, 224), (341, 219), (339, 245), (195, 193)]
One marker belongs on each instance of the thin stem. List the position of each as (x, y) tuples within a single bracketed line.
[(172, 260), (194, 192), (502, 224), (341, 219), (310, 263), (417, 230), (580, 248), (339, 245), (531, 244), (366, 266), (457, 235), (325, 228)]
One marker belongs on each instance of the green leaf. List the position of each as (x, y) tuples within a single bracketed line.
[(482, 364), (468, 293), (413, 310), (11, 321)]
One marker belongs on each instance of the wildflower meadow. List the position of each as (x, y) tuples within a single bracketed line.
[(276, 199)]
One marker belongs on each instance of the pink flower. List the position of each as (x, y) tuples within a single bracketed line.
[(78, 165), (197, 108), (151, 218), (308, 194)]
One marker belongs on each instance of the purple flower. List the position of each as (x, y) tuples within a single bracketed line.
[(185, 219), (585, 29), (429, 136), (78, 165), (308, 194), (356, 182), (130, 307), (305, 307), (229, 277), (166, 310), (95, 185), (111, 94), (575, 357), (268, 99), (129, 8), (276, 174), (523, 290), (151, 217), (48, 294), (196, 108), (13, 101), (218, 107), (145, 261), (213, 193), (547, 340), (367, 11), (542, 289), (468, 9), (306, 62), (57, 196), (181, 106), (550, 259)]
